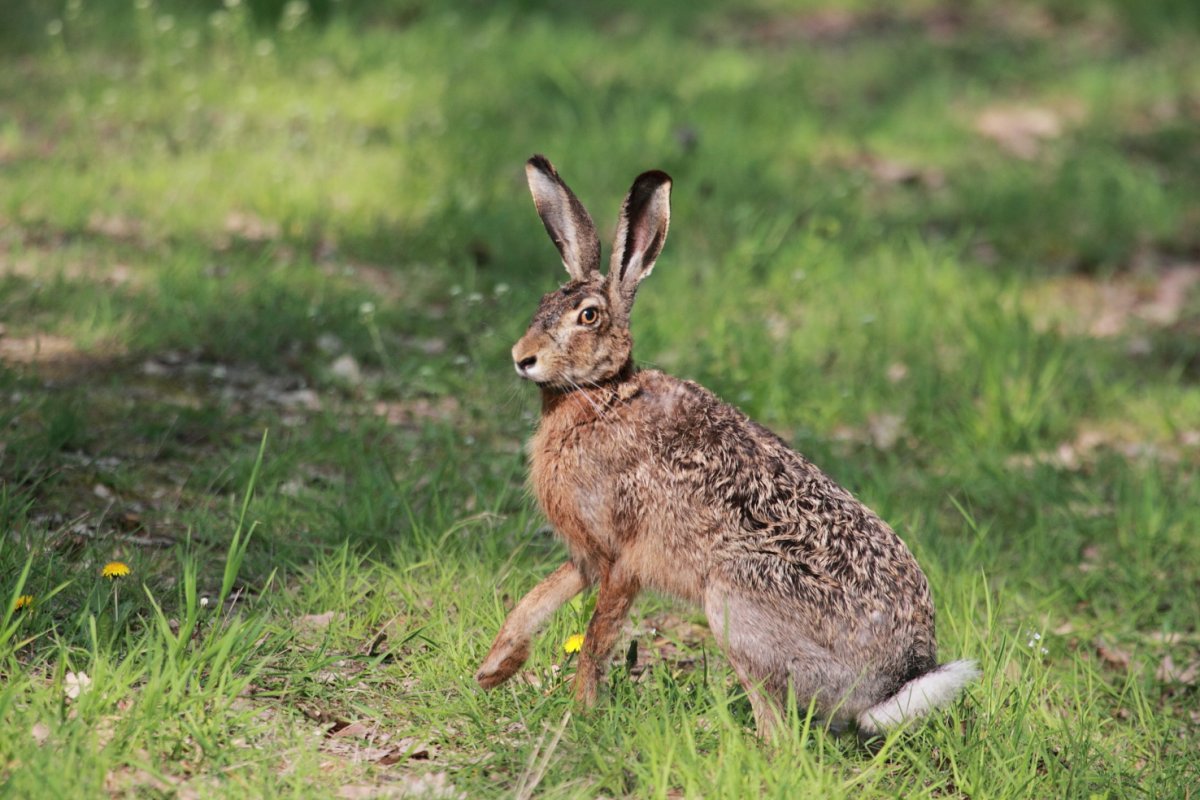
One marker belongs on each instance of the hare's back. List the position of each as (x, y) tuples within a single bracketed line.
[(774, 502), (784, 535)]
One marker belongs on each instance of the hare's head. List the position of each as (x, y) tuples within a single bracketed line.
[(580, 333)]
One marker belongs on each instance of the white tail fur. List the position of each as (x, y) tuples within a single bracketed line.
[(919, 696)]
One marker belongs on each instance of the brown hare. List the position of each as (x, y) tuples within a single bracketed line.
[(654, 483)]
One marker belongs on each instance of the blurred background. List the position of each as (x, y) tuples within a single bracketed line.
[(950, 250), (979, 218)]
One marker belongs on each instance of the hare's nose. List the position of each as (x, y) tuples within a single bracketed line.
[(526, 363)]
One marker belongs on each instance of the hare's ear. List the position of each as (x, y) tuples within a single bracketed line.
[(565, 218), (641, 232)]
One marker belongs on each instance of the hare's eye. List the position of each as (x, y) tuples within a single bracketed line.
[(589, 316)]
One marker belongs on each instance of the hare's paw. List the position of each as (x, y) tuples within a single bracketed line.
[(586, 686), (505, 658)]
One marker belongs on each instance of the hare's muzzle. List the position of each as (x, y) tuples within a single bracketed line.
[(525, 360)]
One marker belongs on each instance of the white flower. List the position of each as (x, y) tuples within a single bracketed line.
[(76, 683)]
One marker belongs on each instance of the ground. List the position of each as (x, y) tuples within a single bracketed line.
[(260, 269)]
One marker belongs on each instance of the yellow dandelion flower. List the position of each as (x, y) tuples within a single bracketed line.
[(24, 601), (115, 569), (573, 643)]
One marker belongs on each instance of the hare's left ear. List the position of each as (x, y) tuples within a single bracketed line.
[(566, 220), (641, 232)]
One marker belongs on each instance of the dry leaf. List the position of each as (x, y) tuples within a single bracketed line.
[(40, 732), (435, 786), (1112, 655), (355, 742), (350, 730), (1167, 672), (250, 227), (318, 622), (406, 750), (1019, 130), (531, 678)]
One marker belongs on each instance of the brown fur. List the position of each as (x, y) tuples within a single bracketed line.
[(653, 482)]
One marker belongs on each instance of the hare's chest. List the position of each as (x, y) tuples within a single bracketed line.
[(576, 490)]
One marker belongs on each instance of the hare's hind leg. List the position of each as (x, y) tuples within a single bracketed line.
[(756, 665), (771, 651), (767, 714), (511, 646)]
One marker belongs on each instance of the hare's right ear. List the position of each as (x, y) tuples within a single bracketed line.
[(565, 218), (641, 233)]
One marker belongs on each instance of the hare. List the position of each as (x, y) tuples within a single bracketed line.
[(654, 483)]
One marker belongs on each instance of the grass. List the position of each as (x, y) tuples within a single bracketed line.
[(219, 223)]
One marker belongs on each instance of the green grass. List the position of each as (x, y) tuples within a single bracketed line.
[(203, 210)]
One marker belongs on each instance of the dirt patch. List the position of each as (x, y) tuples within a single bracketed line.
[(1019, 130), (365, 741), (942, 24), (1090, 444), (415, 412), (666, 639), (885, 170), (40, 348), (1081, 305)]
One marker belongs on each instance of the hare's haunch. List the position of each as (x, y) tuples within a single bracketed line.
[(653, 482)]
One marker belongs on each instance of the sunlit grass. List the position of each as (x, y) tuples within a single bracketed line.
[(205, 212)]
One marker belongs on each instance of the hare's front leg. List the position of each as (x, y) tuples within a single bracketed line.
[(618, 587), (511, 647)]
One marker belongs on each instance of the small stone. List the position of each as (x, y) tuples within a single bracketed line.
[(329, 343), (346, 369)]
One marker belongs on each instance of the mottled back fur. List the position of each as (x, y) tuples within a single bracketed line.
[(653, 482)]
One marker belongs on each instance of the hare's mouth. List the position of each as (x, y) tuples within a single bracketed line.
[(529, 369)]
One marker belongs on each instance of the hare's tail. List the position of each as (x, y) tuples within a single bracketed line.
[(919, 696)]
